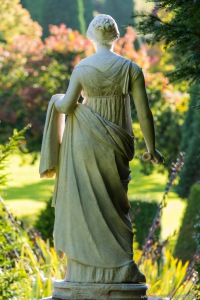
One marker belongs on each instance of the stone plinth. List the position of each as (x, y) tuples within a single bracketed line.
[(95, 291)]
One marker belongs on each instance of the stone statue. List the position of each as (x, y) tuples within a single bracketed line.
[(90, 155)]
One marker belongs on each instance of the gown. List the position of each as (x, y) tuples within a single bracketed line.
[(92, 223)]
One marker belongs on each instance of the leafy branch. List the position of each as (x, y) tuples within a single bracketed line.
[(16, 141)]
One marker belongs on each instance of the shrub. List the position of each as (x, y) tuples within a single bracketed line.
[(13, 281), (45, 222), (168, 279), (28, 264), (15, 142), (190, 173), (143, 214), (186, 245)]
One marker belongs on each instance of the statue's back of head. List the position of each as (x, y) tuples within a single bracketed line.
[(103, 30)]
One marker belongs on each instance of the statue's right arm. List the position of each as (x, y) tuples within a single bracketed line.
[(145, 117), (67, 104)]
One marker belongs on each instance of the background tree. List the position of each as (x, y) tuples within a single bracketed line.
[(32, 71), (186, 246), (36, 9), (81, 17), (191, 145), (77, 14), (50, 12), (18, 20), (120, 11), (88, 11), (177, 24)]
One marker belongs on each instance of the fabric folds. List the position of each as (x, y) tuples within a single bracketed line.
[(52, 138), (90, 202), (90, 155)]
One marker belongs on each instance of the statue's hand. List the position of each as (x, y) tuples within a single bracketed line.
[(157, 157), (57, 97)]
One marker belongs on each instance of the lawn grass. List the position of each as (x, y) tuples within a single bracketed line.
[(25, 182), (147, 187), (26, 193), (152, 187)]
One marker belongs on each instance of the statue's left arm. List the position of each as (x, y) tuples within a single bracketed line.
[(67, 104), (145, 118)]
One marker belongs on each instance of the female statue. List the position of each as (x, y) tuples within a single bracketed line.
[(92, 222)]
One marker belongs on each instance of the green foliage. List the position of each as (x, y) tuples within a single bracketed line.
[(31, 72), (45, 222), (142, 215), (15, 20), (186, 245), (15, 141), (35, 8), (121, 12), (168, 130), (191, 115), (176, 23), (51, 12), (168, 135), (28, 264), (168, 279), (81, 18), (13, 281), (88, 11), (197, 263), (191, 145), (77, 14)]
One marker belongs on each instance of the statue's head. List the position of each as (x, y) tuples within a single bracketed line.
[(103, 30)]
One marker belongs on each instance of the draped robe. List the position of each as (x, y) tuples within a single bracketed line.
[(91, 160)]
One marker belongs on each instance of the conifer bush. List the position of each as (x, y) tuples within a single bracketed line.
[(186, 245), (142, 214), (45, 222), (191, 145)]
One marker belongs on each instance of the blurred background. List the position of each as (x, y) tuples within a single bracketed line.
[(40, 43)]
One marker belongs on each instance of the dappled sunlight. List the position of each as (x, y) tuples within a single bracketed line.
[(25, 182), (21, 208), (146, 186), (172, 217), (38, 191)]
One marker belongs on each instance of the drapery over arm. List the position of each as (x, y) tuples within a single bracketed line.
[(52, 138)]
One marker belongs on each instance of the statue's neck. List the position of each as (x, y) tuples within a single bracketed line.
[(103, 49)]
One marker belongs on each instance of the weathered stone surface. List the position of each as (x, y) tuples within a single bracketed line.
[(86, 291)]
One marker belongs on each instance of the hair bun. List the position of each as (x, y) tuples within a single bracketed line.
[(104, 24), (103, 30)]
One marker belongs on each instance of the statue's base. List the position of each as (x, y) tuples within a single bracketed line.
[(95, 291)]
